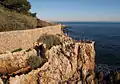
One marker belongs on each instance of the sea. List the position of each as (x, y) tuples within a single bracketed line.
[(106, 36)]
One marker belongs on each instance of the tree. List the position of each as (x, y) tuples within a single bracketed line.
[(33, 14), (17, 5)]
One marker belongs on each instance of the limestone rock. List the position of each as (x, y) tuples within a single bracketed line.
[(67, 63), (12, 62), (1, 82)]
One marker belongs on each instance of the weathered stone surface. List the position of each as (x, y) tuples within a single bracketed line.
[(1, 82), (68, 63), (24, 39), (85, 64), (12, 62)]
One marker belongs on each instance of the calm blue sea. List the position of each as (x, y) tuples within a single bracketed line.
[(105, 34)]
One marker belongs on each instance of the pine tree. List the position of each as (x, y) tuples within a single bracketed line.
[(22, 6)]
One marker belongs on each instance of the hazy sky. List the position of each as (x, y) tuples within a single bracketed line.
[(77, 10)]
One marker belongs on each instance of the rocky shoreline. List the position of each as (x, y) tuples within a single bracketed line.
[(106, 68), (65, 62), (68, 62)]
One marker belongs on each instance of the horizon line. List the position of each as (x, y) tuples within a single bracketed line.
[(87, 21)]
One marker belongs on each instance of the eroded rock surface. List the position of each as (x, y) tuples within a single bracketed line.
[(1, 82), (68, 63), (12, 62)]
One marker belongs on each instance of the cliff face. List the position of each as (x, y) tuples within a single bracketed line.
[(85, 64), (13, 62), (68, 63)]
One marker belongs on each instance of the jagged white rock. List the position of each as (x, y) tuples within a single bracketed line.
[(65, 64)]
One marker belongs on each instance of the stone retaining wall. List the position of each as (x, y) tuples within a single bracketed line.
[(24, 38)]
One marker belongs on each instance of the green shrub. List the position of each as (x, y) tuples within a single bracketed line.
[(49, 40), (22, 6), (17, 50), (33, 14), (28, 50)]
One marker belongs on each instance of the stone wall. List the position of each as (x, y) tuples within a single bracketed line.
[(24, 38)]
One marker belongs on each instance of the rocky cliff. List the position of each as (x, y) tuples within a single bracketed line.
[(70, 62), (12, 62)]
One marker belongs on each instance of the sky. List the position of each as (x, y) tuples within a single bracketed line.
[(77, 10)]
